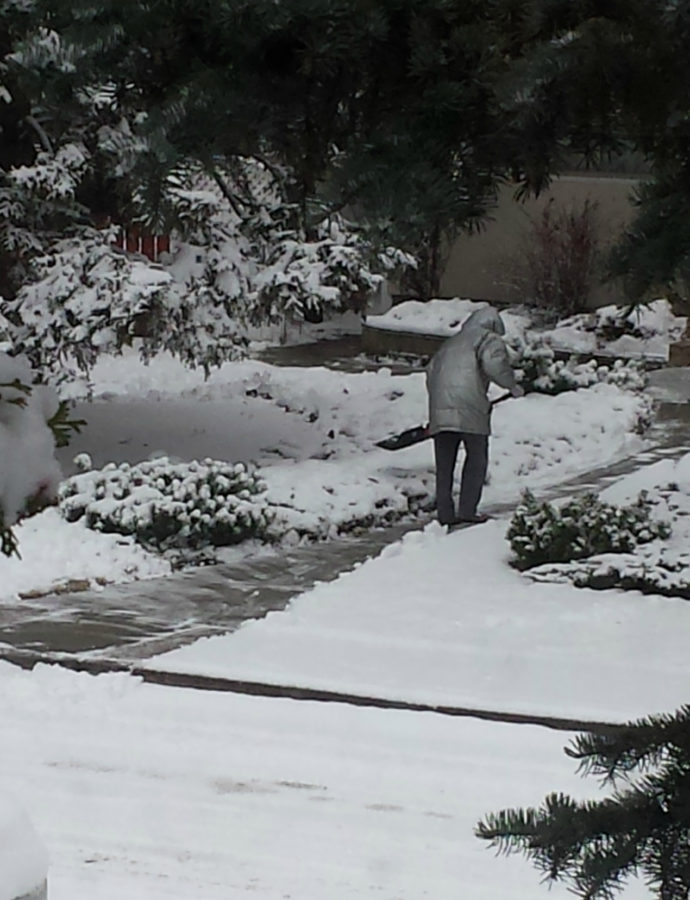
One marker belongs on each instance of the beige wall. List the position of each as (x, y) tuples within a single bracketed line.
[(482, 266)]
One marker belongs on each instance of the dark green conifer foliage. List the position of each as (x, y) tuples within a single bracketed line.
[(591, 81), (641, 829), (408, 113), (386, 109)]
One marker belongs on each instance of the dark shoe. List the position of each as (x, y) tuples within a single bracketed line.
[(449, 519), (476, 519)]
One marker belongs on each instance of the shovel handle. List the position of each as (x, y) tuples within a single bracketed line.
[(500, 399)]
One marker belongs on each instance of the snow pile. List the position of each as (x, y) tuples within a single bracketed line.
[(545, 438), (29, 473), (645, 331), (662, 565), (170, 505), (58, 555), (536, 442), (443, 317), (23, 857)]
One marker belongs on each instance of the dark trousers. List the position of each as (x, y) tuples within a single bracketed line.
[(446, 445)]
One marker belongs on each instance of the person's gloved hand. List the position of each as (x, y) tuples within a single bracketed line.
[(517, 391)]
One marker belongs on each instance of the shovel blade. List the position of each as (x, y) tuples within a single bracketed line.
[(406, 438)]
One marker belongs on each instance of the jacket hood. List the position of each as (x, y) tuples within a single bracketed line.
[(484, 319)]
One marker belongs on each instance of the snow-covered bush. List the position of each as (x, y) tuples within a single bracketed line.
[(582, 527), (660, 566), (335, 271), (87, 297), (29, 473), (537, 369), (643, 322), (167, 505), (649, 570), (249, 249), (53, 176)]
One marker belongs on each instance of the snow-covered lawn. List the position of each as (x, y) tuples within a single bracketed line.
[(443, 619), (649, 329), (312, 432), (266, 798)]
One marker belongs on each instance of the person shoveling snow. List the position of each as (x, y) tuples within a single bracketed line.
[(458, 379)]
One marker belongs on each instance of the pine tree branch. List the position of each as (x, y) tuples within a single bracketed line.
[(225, 190), (596, 845), (278, 176), (639, 745), (40, 131)]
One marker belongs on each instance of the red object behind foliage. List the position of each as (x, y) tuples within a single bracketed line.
[(149, 245)]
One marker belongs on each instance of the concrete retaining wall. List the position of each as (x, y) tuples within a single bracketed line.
[(381, 342)]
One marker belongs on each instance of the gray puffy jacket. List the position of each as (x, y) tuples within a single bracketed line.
[(459, 374)]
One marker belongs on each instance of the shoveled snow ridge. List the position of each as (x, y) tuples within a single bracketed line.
[(27, 659)]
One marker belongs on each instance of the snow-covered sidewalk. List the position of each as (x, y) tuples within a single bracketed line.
[(266, 798), (443, 619)]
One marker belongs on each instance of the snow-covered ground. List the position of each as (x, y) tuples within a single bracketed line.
[(286, 799), (155, 793), (443, 619), (313, 434), (651, 327), (55, 553)]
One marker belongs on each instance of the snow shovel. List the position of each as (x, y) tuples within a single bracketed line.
[(420, 432)]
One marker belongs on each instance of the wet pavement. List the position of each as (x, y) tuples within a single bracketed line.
[(344, 354), (135, 620)]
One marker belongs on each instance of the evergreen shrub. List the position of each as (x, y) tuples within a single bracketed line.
[(538, 370), (584, 526), (167, 505)]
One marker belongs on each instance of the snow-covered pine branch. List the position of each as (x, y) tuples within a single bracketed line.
[(54, 176), (83, 296)]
